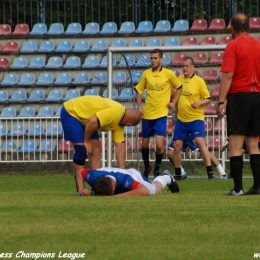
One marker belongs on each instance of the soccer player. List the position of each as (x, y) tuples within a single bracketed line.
[(158, 82), (109, 181)]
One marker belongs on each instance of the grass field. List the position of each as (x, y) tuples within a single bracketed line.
[(40, 213)]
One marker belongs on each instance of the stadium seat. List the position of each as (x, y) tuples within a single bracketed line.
[(3, 96), (64, 46), (37, 95), (92, 61), (54, 129), (28, 146), (36, 63), (46, 146), (200, 58), (127, 60), (63, 79), (162, 26), (27, 79), (91, 28), (215, 92), (3, 130), (143, 61), (177, 73), (126, 28), (27, 111), (19, 63), (54, 95), (190, 40), (45, 79), (210, 75), (18, 95), (81, 78), (126, 94), (211, 108), (178, 59), (17, 130), (144, 27), (5, 30), (173, 41), (35, 129), (209, 40), (46, 46), (71, 93), (154, 42), (91, 92), (119, 77), (65, 146), (254, 23), (196, 72), (208, 125), (114, 93), (56, 29), (180, 26), (215, 143), (100, 78), (166, 60), (217, 24), (73, 29), (103, 63), (11, 47), (54, 62), (21, 29), (136, 43), (199, 25), (118, 43), (81, 46), (4, 63), (99, 46), (72, 62), (216, 58), (57, 114), (135, 77), (39, 29), (45, 111), (109, 28), (9, 146), (8, 112), (225, 39), (10, 79), (219, 126), (228, 28), (29, 46)]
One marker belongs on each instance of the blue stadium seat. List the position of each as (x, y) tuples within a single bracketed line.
[(180, 26), (63, 78), (9, 146), (114, 93), (39, 29), (54, 95), (173, 41), (91, 28), (136, 76), (100, 78), (154, 42), (46, 46), (19, 63), (19, 95), (74, 29), (58, 111), (144, 27), (91, 92), (143, 61), (56, 29), (35, 129), (127, 60), (29, 46), (126, 94), (3, 130), (3, 96), (36, 95), (71, 93), (72, 62), (119, 77), (27, 79), (99, 46), (8, 112), (81, 46), (118, 43), (37, 63), (127, 28), (136, 43), (45, 79), (17, 130), (45, 111), (27, 112), (103, 63), (162, 26), (28, 146), (10, 79), (109, 28), (54, 62), (54, 129), (166, 59), (46, 146), (91, 62), (64, 46), (81, 78)]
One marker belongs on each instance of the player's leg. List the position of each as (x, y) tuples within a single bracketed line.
[(164, 180), (217, 164)]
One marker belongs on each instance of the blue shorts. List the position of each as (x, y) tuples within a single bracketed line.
[(189, 143), (154, 127), (74, 130)]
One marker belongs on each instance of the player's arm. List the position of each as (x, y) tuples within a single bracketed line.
[(120, 154), (81, 184), (139, 102), (140, 190), (177, 94), (91, 127), (199, 103)]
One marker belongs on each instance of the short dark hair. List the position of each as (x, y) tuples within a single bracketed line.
[(189, 59), (240, 23), (103, 187), (157, 51)]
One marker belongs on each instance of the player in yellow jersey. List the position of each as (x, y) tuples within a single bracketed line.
[(157, 81), (84, 116)]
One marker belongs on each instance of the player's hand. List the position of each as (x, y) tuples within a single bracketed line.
[(141, 111), (84, 192), (221, 111), (170, 105), (88, 146), (195, 105)]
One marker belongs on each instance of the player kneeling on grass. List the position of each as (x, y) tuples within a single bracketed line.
[(109, 181)]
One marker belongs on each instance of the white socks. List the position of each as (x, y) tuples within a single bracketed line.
[(220, 169), (163, 179), (182, 171)]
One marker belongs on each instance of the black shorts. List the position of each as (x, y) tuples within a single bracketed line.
[(243, 114)]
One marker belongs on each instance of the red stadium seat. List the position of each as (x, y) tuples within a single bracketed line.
[(5, 30), (215, 143), (178, 58), (228, 28), (177, 73), (208, 125), (254, 23), (21, 29), (11, 47), (215, 92), (190, 40), (216, 58), (211, 109), (200, 58), (225, 40), (221, 123), (209, 40), (65, 146), (199, 25), (210, 75), (4, 63), (217, 25)]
